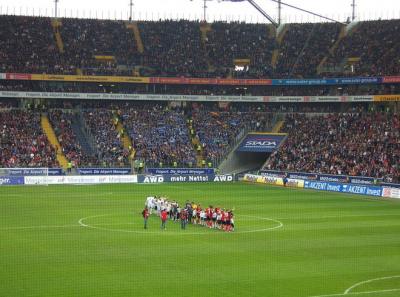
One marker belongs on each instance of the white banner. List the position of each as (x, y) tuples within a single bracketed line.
[(391, 192), (160, 97), (80, 179)]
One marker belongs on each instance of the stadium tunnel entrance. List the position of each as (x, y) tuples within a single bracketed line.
[(241, 162), (252, 152)]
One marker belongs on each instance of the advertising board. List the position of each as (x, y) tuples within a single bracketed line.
[(344, 188), (261, 142), (158, 171), (104, 171), (11, 180)]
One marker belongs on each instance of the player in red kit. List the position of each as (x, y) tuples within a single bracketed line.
[(164, 217), (145, 214)]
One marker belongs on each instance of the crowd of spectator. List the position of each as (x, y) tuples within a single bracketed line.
[(177, 48), (61, 121), (27, 45), (375, 43), (173, 48), (22, 141), (358, 144), (84, 39), (315, 47), (159, 134), (217, 131), (108, 141), (229, 41)]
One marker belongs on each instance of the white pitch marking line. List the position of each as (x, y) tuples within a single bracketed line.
[(37, 227), (348, 291), (369, 281), (95, 226), (59, 226), (359, 293)]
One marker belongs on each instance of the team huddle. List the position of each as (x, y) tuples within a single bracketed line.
[(191, 213)]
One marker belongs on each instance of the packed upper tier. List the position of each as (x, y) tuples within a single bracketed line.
[(194, 49)]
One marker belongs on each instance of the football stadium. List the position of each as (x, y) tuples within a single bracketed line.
[(186, 157)]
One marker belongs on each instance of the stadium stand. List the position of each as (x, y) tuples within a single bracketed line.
[(159, 135), (61, 121), (27, 45), (23, 143), (110, 48), (229, 41), (173, 48), (108, 142), (358, 144), (99, 47), (184, 134), (372, 49), (217, 131)]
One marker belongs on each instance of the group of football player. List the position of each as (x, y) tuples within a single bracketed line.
[(191, 213)]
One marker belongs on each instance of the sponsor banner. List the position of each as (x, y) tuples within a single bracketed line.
[(332, 178), (34, 171), (294, 183), (270, 180), (204, 81), (18, 76), (104, 171), (272, 173), (224, 178), (343, 188), (294, 175), (77, 179), (362, 180), (90, 78), (324, 177), (263, 179), (158, 171), (307, 99), (381, 98), (166, 97), (209, 81), (261, 142), (189, 178), (329, 81), (322, 186), (390, 185), (150, 179), (300, 175), (362, 190), (388, 192), (391, 79), (250, 178), (155, 179), (11, 180)]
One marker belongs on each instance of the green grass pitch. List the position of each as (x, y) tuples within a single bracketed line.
[(89, 241)]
